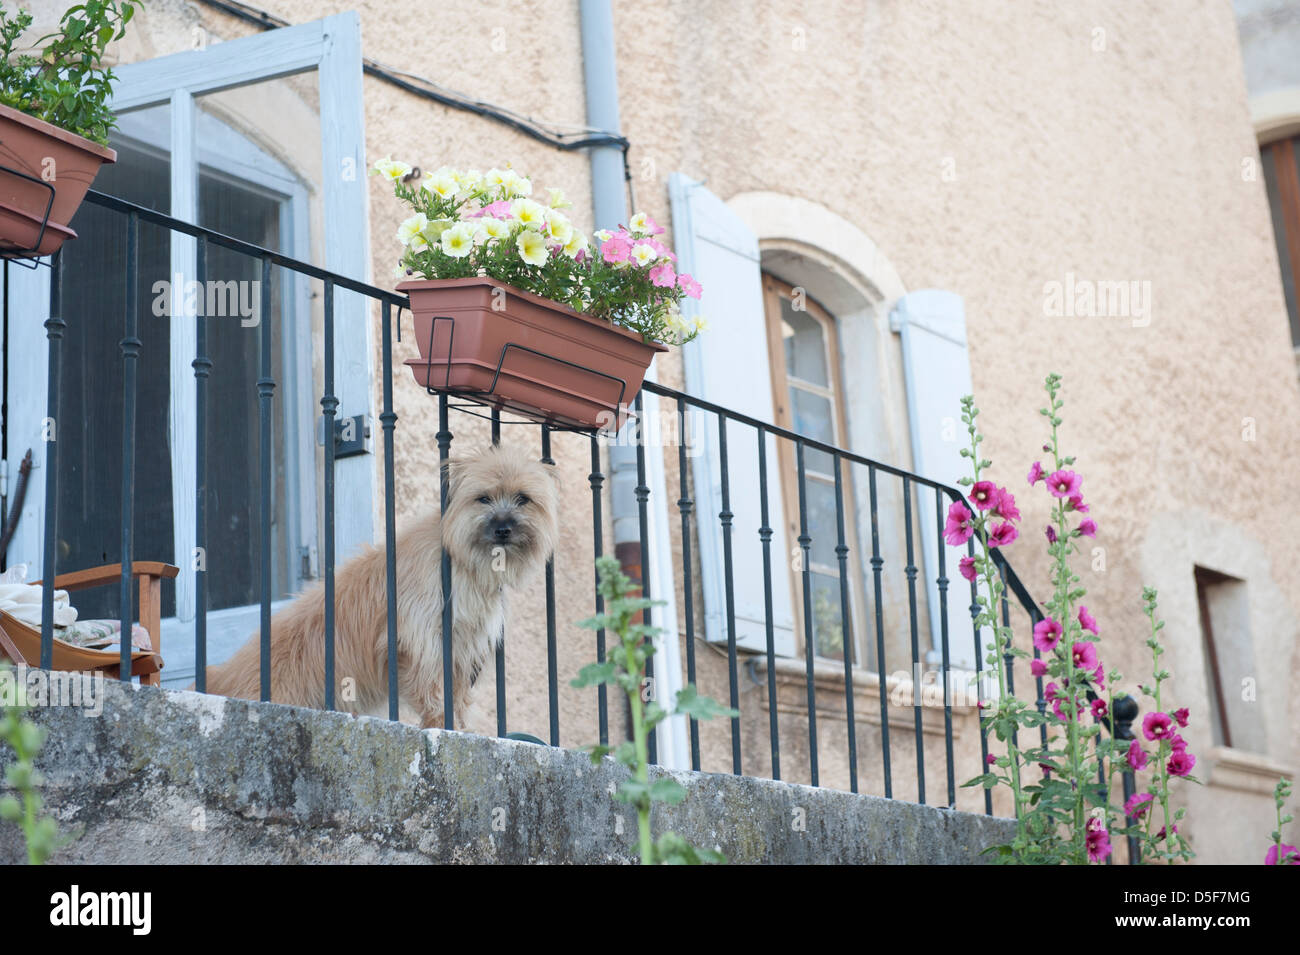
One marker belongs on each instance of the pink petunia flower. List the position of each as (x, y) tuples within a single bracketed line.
[(1180, 763), (1157, 726), (1005, 533), (1098, 840), (616, 249), (663, 276), (1035, 473), (1180, 715), (984, 494), (1063, 483), (1006, 505), (958, 528), (1084, 655), (1087, 620), (1037, 668), (1047, 634), (1076, 502), (689, 286), (1088, 527), (1137, 757), (1289, 854), (1137, 804), (1099, 709), (967, 568)]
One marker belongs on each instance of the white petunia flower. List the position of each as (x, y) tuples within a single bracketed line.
[(532, 247), (638, 224), (558, 227), (518, 185), (412, 227), (555, 199), (644, 253), (529, 213), (491, 228), (436, 227), (458, 241), (442, 184), (577, 243), (602, 235), (391, 169)]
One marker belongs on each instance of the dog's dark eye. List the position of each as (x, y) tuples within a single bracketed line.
[(522, 499), (485, 499)]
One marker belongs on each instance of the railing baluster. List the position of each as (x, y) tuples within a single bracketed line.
[(643, 517), (684, 506), (846, 631), (979, 680), (725, 517), (265, 395), (943, 645), (1009, 659), (765, 535), (54, 327), (552, 650), (809, 641), (329, 403), (877, 567), (501, 642), (597, 480), (202, 366), (130, 368), (389, 421), (448, 674), (910, 571)]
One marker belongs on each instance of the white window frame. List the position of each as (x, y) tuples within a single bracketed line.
[(332, 47)]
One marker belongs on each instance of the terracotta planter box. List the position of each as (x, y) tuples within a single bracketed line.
[(40, 150), (523, 353)]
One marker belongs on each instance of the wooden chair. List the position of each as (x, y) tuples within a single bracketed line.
[(21, 642)]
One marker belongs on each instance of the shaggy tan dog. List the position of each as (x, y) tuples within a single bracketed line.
[(500, 527)]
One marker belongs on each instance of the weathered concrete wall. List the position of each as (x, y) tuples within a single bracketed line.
[(166, 776)]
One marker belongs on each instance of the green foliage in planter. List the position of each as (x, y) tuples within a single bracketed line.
[(65, 83), (625, 668)]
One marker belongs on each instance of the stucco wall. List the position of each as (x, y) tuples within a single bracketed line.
[(985, 149)]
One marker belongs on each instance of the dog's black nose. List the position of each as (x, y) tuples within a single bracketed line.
[(502, 527)]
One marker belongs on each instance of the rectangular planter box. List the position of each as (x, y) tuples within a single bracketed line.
[(523, 353)]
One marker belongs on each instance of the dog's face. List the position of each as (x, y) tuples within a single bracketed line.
[(501, 511)]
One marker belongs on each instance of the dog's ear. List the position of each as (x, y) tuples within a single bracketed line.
[(453, 473)]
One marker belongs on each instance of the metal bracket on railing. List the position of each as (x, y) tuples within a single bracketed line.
[(14, 252), (486, 396)]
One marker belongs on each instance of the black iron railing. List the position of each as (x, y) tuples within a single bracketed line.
[(853, 475)]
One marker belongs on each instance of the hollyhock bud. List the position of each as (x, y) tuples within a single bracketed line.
[(1037, 668), (1051, 534), (1137, 804), (1180, 715)]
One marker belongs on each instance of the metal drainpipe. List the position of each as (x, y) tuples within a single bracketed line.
[(609, 204)]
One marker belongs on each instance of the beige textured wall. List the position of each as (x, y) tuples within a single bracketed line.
[(987, 149)]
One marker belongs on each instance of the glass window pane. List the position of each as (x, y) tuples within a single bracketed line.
[(805, 345), (828, 622), (813, 419), (1268, 157), (823, 527)]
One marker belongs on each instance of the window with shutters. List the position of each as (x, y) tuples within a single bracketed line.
[(803, 347), (1282, 179)]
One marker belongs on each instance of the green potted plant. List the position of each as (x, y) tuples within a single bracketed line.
[(514, 306), (54, 121)]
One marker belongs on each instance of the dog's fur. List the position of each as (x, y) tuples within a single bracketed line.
[(500, 488)]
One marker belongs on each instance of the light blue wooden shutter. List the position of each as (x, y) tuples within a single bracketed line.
[(936, 366), (728, 365)]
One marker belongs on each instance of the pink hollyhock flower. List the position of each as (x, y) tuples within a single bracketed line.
[(1006, 505), (1084, 655), (1137, 758), (1177, 743), (1098, 841), (990, 759), (1288, 853), (967, 568), (616, 249), (1180, 763), (1180, 715), (1157, 726), (1087, 620), (1161, 834), (663, 276), (1088, 527), (1099, 675), (984, 494), (1047, 634), (1035, 473), (1099, 709), (1076, 502), (689, 286), (1051, 534), (1047, 770), (1005, 533), (1037, 668), (959, 528), (1063, 483), (1137, 804)]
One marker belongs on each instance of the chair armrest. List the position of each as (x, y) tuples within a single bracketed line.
[(111, 573)]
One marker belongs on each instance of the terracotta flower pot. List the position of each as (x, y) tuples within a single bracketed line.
[(47, 154), (523, 353)]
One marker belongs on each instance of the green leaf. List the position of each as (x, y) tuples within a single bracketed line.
[(667, 790), (690, 703), (594, 674)]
